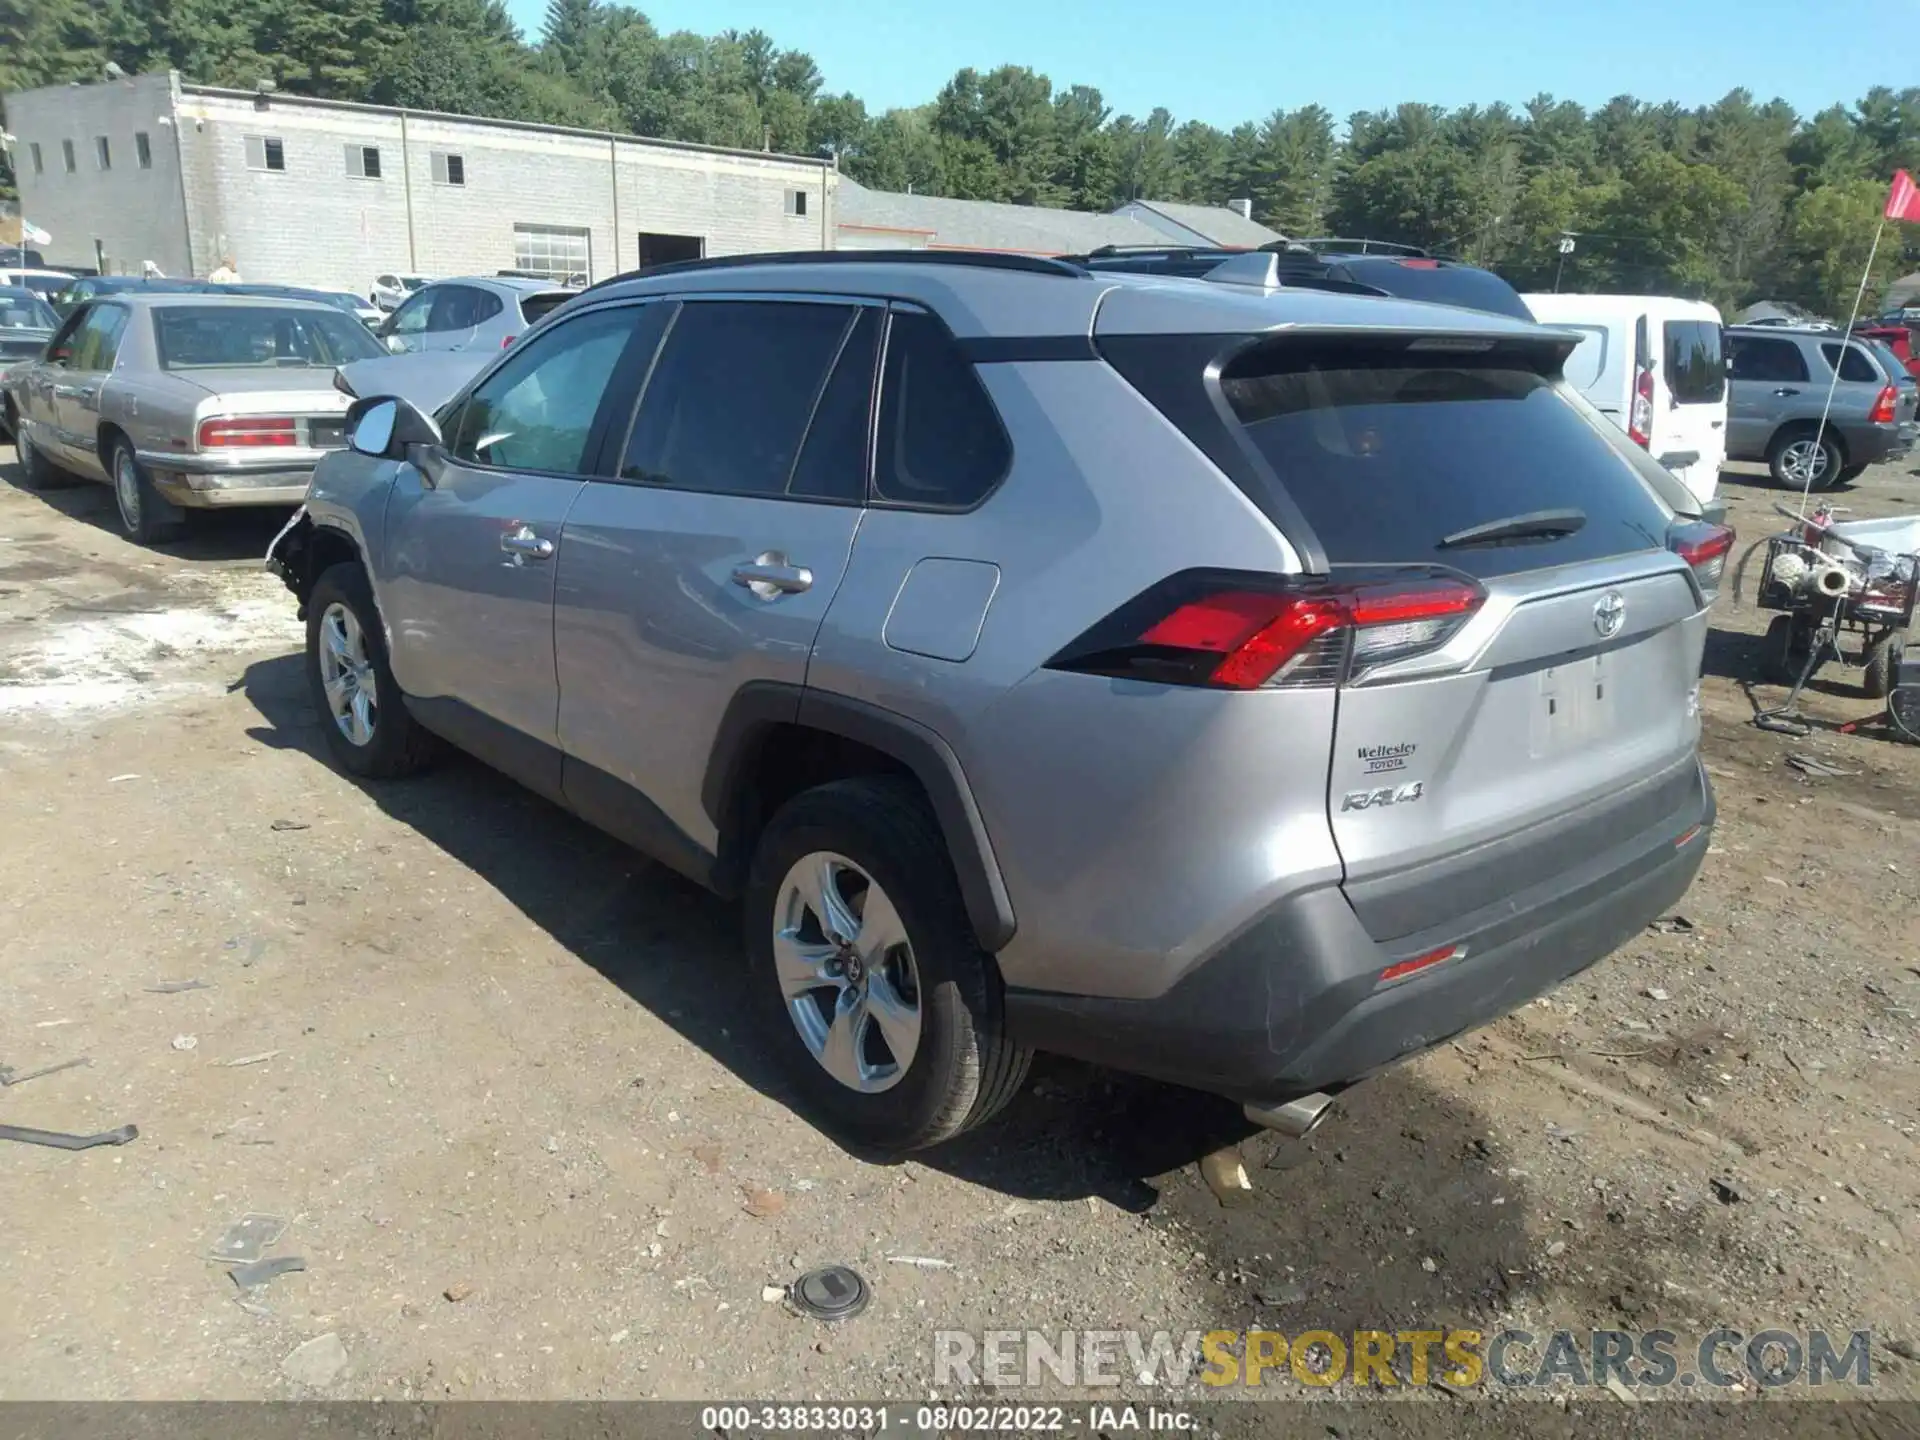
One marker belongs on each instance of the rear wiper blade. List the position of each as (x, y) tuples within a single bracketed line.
[(1539, 525)]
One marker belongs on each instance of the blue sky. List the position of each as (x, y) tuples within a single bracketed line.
[(1226, 63)]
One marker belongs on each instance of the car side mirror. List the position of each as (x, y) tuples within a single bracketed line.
[(387, 427)]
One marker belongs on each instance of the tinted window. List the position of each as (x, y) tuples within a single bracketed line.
[(536, 412), (1386, 456), (190, 337), (1750, 357), (833, 459), (538, 307), (1696, 370), (1890, 361), (461, 307), (940, 441), (731, 395), (1854, 364)]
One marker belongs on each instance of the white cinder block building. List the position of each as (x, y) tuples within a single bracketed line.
[(330, 194)]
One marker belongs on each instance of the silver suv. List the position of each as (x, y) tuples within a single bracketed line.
[(1244, 689), (1777, 382)]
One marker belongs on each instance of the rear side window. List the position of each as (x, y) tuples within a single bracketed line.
[(1853, 364), (732, 394), (1388, 453), (1696, 369), (537, 307), (941, 445), (1754, 357)]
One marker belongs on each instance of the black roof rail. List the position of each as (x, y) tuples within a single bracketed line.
[(1357, 245), (1116, 251), (976, 259)]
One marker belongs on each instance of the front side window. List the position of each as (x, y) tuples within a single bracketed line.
[(537, 411), (208, 337), (941, 444), (1753, 357), (412, 317), (98, 340), (1696, 369), (733, 393)]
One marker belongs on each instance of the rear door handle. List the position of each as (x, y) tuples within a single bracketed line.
[(523, 542), (771, 576)]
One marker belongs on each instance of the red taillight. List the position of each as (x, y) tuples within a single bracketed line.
[(1421, 962), (1421, 264), (1882, 412), (1640, 419), (226, 430), (507, 340), (1225, 633), (1705, 547)]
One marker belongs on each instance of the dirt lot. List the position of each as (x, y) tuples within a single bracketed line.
[(496, 1073)]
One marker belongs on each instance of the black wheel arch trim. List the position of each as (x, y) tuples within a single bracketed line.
[(759, 706)]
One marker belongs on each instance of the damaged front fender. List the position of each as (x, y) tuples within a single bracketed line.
[(287, 556)]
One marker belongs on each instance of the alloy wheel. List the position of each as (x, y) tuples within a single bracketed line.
[(346, 675), (847, 972), (1804, 462)]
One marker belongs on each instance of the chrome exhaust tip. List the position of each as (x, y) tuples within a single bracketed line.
[(1296, 1119)]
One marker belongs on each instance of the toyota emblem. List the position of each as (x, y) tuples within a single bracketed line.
[(1609, 614)]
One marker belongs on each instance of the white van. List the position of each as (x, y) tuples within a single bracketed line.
[(1655, 366)]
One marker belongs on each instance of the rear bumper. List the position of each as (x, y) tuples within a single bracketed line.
[(201, 482), (1870, 444), (1295, 1003)]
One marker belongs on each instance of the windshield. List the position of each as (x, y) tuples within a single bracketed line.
[(201, 337), (23, 310)]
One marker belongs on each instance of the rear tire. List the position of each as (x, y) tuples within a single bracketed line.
[(858, 838), (1794, 451), (369, 732), (1883, 663), (148, 517)]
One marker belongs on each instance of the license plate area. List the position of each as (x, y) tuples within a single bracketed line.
[(1575, 704), (326, 434)]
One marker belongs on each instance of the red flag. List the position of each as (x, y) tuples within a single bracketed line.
[(1904, 202)]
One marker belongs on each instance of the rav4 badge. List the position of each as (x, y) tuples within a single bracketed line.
[(1374, 799)]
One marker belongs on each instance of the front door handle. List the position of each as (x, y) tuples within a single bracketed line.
[(771, 576), (522, 543), (1786, 390)]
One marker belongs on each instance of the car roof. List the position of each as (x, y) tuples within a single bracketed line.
[(38, 270), (989, 295), (212, 295), (517, 284)]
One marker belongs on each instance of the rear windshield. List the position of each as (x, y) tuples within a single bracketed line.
[(21, 309), (1387, 454), (202, 337), (1696, 365), (537, 307), (1437, 282)]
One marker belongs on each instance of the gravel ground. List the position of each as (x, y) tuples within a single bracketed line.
[(495, 1074)]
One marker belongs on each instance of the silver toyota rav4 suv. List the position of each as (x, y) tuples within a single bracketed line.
[(1244, 686)]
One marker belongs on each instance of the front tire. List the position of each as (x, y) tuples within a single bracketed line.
[(362, 712), (147, 516), (1795, 453), (886, 1010), (41, 473), (1883, 663)]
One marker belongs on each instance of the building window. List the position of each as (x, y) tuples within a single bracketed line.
[(66, 154), (553, 251), (39, 165), (448, 168), (142, 150), (102, 154), (265, 152), (796, 202), (363, 161)]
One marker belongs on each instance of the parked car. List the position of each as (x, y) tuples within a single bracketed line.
[(426, 379), (390, 291), (1898, 339), (1778, 379), (1654, 366), (26, 323), (481, 312), (83, 288), (44, 283), (344, 300), (185, 401), (1356, 266), (1247, 690)]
